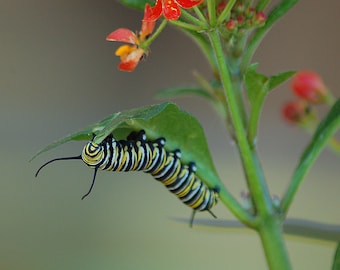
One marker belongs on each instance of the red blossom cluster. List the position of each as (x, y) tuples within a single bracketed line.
[(242, 17)]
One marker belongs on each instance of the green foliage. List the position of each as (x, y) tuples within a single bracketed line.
[(258, 86), (336, 261), (180, 129), (137, 4)]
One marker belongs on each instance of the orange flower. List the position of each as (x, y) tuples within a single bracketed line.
[(130, 55), (169, 8)]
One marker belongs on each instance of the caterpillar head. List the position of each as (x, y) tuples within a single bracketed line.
[(93, 154)]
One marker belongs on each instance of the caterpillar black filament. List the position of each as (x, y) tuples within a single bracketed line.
[(139, 154)]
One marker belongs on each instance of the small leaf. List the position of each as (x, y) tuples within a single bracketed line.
[(258, 86), (137, 4), (278, 79), (187, 90), (180, 129), (336, 261)]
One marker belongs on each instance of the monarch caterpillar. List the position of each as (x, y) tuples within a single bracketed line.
[(136, 153)]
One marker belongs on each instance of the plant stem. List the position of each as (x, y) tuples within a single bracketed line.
[(186, 26), (212, 12), (273, 244), (252, 169), (193, 19), (269, 227), (226, 12), (159, 30)]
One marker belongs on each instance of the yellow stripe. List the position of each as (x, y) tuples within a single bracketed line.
[(174, 175), (204, 195), (187, 188)]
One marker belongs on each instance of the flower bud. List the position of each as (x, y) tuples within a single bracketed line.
[(309, 86), (231, 25), (295, 111), (260, 19)]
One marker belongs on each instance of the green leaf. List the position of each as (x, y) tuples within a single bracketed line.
[(336, 261), (137, 4), (326, 129), (180, 129), (85, 134), (278, 79), (186, 90), (258, 86)]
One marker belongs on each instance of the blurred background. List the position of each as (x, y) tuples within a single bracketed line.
[(58, 75)]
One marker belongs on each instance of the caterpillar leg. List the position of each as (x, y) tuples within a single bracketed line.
[(193, 216)]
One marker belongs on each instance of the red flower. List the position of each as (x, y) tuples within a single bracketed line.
[(295, 111), (169, 8), (130, 55), (309, 86)]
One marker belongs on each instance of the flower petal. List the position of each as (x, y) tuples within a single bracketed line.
[(124, 50), (147, 28), (131, 60), (153, 13), (123, 35), (171, 10), (188, 3)]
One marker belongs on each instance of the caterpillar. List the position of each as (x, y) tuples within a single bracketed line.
[(136, 153)]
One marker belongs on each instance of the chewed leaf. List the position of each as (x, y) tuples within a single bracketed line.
[(180, 129)]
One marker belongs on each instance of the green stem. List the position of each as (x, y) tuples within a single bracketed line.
[(200, 15), (212, 12), (274, 247), (159, 30), (226, 12), (186, 26), (198, 22), (252, 169), (269, 226)]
